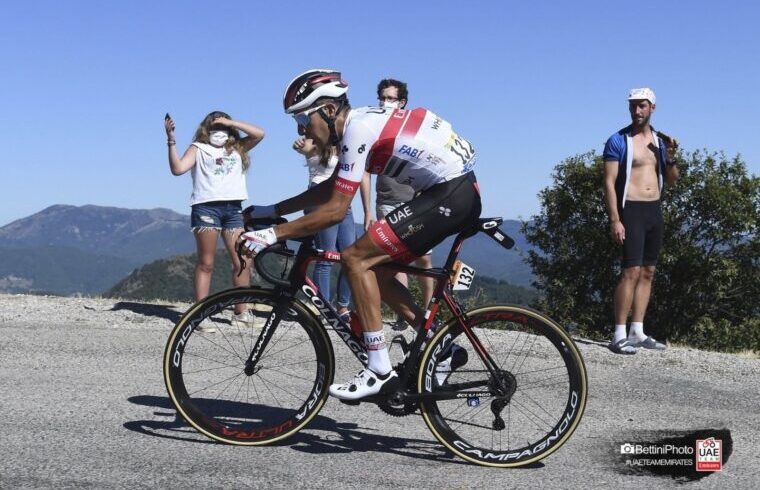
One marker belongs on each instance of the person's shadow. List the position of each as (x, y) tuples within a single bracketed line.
[(341, 437), (166, 312)]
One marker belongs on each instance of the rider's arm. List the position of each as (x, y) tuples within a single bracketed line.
[(330, 213), (340, 189), (314, 196), (365, 189)]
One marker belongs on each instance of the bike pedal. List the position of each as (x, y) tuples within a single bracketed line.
[(402, 342), (353, 403)]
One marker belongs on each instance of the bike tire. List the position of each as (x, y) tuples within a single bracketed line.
[(205, 377), (540, 365)]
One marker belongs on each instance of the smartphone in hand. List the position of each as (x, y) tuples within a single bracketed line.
[(669, 140), (167, 117)]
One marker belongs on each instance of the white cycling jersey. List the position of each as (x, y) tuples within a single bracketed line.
[(414, 147)]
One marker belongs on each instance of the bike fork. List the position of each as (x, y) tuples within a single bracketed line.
[(267, 331)]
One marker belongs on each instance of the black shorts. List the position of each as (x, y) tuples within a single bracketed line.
[(415, 227), (643, 233)]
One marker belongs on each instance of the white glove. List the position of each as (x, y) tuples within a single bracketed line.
[(256, 241), (254, 212)]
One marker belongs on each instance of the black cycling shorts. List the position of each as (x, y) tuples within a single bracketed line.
[(415, 227), (643, 233)]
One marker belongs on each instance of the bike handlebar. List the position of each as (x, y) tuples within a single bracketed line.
[(259, 224)]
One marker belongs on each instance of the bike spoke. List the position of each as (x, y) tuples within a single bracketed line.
[(533, 367)]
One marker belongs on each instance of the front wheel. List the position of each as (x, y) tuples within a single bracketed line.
[(507, 394), (221, 394)]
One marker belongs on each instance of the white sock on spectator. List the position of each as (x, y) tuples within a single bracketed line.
[(637, 331), (619, 333)]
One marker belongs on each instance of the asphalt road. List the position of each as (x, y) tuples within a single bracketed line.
[(84, 404)]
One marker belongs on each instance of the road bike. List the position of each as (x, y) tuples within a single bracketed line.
[(510, 392)]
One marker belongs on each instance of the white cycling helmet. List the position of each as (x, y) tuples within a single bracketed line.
[(305, 89)]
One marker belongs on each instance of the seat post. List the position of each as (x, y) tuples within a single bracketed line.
[(455, 248)]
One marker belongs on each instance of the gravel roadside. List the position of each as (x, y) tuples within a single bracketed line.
[(84, 404)]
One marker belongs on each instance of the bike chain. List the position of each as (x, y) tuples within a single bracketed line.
[(407, 408)]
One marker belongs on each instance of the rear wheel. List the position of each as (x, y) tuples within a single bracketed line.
[(217, 393), (522, 409)]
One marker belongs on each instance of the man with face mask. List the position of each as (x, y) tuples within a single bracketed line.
[(393, 94), (637, 160), (413, 146)]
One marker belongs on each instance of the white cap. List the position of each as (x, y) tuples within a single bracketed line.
[(642, 94)]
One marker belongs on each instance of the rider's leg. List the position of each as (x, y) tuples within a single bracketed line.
[(358, 261), (346, 237), (427, 284), (398, 297), (382, 210)]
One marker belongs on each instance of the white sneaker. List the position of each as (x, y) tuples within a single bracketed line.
[(457, 358), (365, 383), (250, 319)]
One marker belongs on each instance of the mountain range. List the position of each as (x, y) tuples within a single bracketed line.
[(86, 249), (89, 249)]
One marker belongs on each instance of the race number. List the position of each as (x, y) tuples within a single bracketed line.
[(463, 275)]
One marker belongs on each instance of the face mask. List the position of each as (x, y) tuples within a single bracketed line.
[(218, 138), (389, 105)]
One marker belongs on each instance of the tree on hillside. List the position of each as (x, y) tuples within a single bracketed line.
[(707, 286)]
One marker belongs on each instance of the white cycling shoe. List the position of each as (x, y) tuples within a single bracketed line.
[(366, 383)]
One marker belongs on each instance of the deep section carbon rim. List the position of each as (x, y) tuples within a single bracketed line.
[(518, 414), (206, 376)]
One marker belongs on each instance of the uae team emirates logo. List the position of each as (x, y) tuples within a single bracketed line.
[(709, 454)]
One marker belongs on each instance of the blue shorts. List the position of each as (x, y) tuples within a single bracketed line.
[(217, 215)]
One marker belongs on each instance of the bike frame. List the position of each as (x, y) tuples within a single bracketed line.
[(298, 280)]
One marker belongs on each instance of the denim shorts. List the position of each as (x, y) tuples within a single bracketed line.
[(217, 215)]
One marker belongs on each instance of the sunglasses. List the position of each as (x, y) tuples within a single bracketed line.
[(304, 118)]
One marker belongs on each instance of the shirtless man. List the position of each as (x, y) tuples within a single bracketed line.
[(637, 162)]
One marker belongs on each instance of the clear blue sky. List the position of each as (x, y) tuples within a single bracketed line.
[(85, 85)]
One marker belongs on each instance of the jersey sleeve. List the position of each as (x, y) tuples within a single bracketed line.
[(354, 147), (613, 150)]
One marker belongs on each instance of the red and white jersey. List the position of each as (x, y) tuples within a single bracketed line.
[(414, 147)]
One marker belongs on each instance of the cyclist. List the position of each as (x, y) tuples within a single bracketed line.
[(416, 147), (394, 94)]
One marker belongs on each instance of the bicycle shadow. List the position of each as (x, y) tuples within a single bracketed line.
[(323, 435), (165, 312)]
